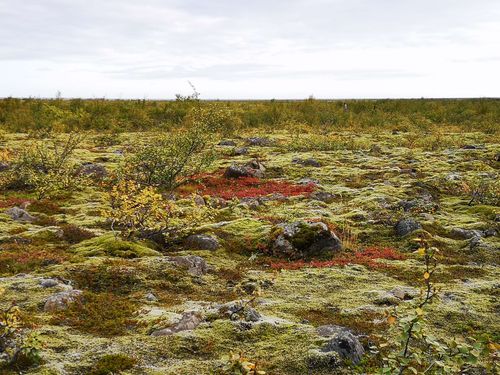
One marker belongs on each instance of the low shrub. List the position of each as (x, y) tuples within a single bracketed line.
[(246, 187), (20, 258), (103, 314), (367, 257), (74, 234)]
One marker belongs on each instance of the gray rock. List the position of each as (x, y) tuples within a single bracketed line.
[(189, 321), (341, 341), (199, 201), (251, 169), (304, 240), (61, 301), (93, 170), (238, 151), (308, 181), (465, 234), (18, 214), (201, 242), (323, 196), (310, 162), (227, 142), (195, 265), (406, 226), (259, 141), (151, 297), (48, 283), (4, 166)]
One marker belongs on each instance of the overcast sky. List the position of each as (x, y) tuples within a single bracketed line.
[(250, 49)]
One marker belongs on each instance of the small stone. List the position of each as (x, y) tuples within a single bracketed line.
[(227, 142), (238, 151), (48, 283), (189, 321), (406, 226), (93, 170), (151, 297), (195, 265), (199, 201), (259, 141), (323, 196), (61, 301), (18, 214), (201, 242)]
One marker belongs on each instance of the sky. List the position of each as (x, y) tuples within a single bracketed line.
[(232, 49)]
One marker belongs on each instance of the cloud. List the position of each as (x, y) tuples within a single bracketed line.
[(221, 42)]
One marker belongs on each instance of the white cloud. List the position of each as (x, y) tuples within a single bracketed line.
[(258, 49)]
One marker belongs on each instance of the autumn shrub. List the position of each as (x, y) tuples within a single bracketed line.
[(74, 234), (102, 314), (143, 212), (246, 187), (109, 276), (18, 258), (368, 257)]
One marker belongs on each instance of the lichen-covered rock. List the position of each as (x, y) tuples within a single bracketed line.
[(304, 240), (201, 242), (341, 341), (406, 226), (465, 234), (195, 265), (189, 321), (19, 214), (48, 283), (61, 301), (4, 166)]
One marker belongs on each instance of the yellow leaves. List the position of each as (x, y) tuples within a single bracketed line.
[(420, 251), (391, 319), (493, 346), (427, 275), (419, 311)]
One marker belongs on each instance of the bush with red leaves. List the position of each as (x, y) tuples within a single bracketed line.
[(245, 187), (368, 257)]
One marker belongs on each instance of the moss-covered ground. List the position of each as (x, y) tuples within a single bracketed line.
[(370, 176)]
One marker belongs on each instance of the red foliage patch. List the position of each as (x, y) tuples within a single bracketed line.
[(245, 187), (13, 201), (368, 257)]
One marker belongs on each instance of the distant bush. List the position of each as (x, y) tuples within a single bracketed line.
[(45, 166), (74, 234)]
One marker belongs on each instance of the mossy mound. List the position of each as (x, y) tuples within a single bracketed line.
[(244, 234), (108, 245)]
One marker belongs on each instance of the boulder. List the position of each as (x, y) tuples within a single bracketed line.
[(252, 169), (61, 301), (195, 265), (304, 240), (189, 321), (341, 341), (406, 226), (465, 234), (18, 214), (201, 242)]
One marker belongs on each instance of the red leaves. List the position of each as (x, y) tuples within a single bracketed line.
[(367, 258), (246, 187)]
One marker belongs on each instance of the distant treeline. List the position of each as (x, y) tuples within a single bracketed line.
[(24, 115)]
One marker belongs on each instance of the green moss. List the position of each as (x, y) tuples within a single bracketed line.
[(108, 245), (112, 364), (244, 234)]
